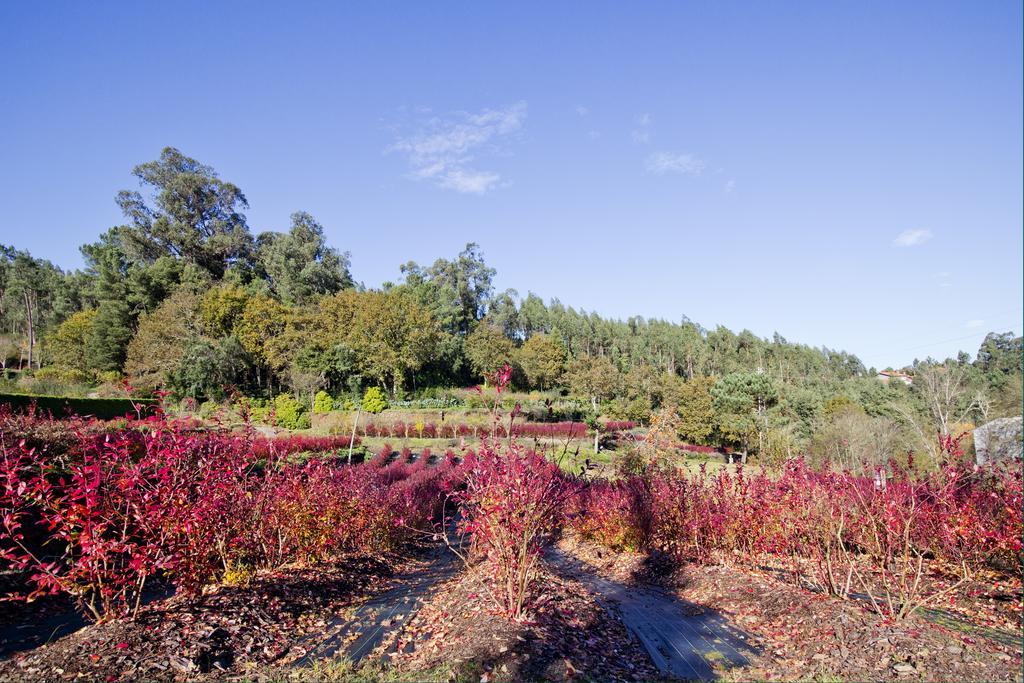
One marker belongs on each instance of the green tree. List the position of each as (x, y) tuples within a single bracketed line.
[(488, 349), (456, 292), (696, 409), (593, 377), (194, 215), (221, 308), (542, 359), (741, 402), (299, 264), (162, 340), (69, 343), (208, 369), (374, 401), (392, 336)]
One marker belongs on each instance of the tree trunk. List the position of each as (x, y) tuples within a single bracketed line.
[(355, 424), (30, 327)]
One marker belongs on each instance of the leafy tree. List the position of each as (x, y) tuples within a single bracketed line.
[(594, 377), (741, 401), (208, 369), (33, 295), (69, 343), (300, 265), (290, 413), (221, 308), (162, 340), (542, 359), (456, 292), (262, 323), (194, 215), (696, 409), (488, 349), (111, 334), (533, 316), (392, 336)]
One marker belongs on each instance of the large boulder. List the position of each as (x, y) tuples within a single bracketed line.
[(998, 440)]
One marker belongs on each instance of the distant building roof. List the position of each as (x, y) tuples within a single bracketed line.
[(895, 374)]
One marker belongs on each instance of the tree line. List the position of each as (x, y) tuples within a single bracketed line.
[(184, 296)]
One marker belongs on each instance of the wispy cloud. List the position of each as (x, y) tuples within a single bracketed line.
[(912, 238), (443, 150), (641, 134), (663, 163), (974, 324), (730, 186), (581, 110)]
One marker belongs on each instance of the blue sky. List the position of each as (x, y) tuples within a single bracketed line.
[(847, 174)]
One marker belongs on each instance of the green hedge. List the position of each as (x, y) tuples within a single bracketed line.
[(102, 408)]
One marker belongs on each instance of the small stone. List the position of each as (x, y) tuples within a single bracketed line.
[(905, 669)]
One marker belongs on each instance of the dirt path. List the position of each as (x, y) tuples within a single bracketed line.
[(355, 636), (682, 638)]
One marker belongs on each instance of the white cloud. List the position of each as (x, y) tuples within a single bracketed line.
[(443, 150), (662, 163), (912, 238), (974, 324), (642, 137), (593, 134), (730, 186), (582, 111), (642, 133)]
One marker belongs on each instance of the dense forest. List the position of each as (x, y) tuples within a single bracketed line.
[(185, 297)]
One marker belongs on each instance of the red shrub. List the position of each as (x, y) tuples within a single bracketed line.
[(615, 514), (511, 503)]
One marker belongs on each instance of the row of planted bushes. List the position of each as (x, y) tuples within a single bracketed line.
[(99, 408), (430, 430), (163, 500), (301, 443), (887, 537)]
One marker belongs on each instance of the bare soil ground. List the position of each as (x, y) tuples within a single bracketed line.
[(233, 632), (803, 635), (569, 636)]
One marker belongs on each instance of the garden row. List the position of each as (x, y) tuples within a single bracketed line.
[(120, 508), (156, 499), (905, 541), (430, 430)]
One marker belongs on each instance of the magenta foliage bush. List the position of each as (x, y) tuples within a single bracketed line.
[(401, 430), (511, 502), (879, 535), (119, 507), (300, 443), (616, 514)]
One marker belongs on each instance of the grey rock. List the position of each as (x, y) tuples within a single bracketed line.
[(998, 441)]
